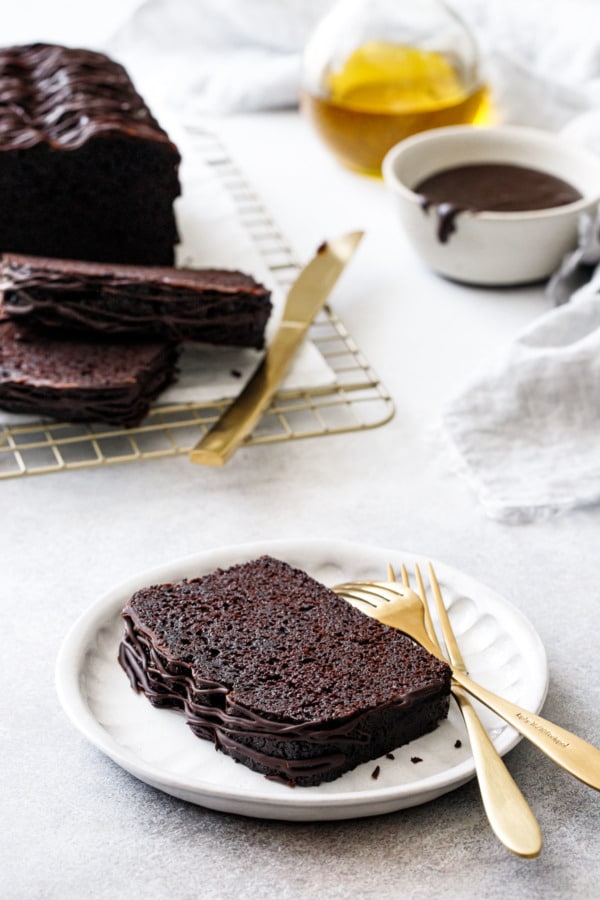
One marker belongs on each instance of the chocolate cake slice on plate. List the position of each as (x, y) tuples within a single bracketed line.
[(216, 306), (81, 381), (278, 671)]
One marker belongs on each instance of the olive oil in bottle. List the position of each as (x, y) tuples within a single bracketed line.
[(377, 71)]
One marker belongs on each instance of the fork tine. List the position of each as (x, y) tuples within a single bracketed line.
[(378, 590), (405, 578), (390, 572), (449, 636), (406, 582), (357, 599), (429, 627), (350, 592), (428, 620)]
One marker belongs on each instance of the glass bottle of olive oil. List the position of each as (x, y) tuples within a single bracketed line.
[(377, 71)]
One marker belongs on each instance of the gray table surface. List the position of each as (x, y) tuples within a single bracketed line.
[(75, 824)]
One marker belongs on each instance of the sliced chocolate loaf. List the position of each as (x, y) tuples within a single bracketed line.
[(217, 306), (86, 172), (279, 672), (81, 381)]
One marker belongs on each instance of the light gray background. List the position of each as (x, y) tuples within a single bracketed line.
[(74, 824)]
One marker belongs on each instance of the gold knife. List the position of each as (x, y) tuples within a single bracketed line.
[(507, 810), (306, 297)]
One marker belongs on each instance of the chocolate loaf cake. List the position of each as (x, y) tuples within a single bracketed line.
[(81, 381), (217, 306), (279, 672), (86, 172)]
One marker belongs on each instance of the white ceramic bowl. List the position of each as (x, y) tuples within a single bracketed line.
[(493, 248)]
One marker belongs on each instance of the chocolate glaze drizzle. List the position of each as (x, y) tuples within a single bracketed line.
[(213, 305), (77, 382), (279, 672), (212, 713), (63, 97)]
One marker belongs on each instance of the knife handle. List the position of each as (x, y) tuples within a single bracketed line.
[(508, 812), (220, 443), (570, 752)]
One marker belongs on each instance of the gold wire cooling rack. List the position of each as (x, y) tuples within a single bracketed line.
[(355, 401)]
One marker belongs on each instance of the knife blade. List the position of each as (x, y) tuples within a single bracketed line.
[(306, 297)]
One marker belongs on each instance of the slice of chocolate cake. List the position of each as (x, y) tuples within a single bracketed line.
[(81, 381), (86, 172), (217, 306), (279, 672)]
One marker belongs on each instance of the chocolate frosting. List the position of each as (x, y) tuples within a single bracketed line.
[(212, 712), (278, 671), (214, 305), (81, 382), (490, 187), (64, 97)]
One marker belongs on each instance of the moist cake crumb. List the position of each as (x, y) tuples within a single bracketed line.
[(279, 672)]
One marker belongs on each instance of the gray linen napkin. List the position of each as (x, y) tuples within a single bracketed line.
[(527, 431)]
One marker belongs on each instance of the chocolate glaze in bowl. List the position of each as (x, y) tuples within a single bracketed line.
[(491, 187), (494, 247)]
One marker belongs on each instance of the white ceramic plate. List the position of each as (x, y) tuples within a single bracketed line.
[(501, 649)]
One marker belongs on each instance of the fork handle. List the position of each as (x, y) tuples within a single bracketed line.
[(573, 754), (508, 812)]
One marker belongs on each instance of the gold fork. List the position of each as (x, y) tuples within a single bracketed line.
[(510, 816), (400, 608)]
